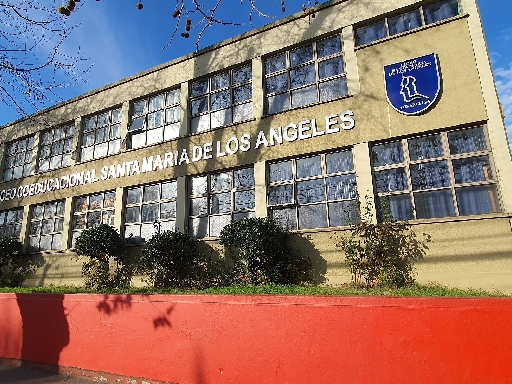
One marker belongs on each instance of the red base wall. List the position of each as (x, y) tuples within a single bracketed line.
[(264, 339)]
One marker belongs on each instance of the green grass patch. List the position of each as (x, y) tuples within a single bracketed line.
[(415, 290)]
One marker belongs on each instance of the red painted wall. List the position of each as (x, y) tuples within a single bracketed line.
[(264, 339)]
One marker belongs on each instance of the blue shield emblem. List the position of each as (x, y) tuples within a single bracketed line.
[(412, 86)]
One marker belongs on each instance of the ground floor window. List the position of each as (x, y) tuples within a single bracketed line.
[(437, 175), (46, 224), (313, 192), (10, 223), (148, 209), (93, 210), (218, 198)]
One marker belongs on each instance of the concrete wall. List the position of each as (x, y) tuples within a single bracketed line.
[(263, 339)]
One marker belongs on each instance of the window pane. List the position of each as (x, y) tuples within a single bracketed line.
[(241, 75), (150, 193), (477, 200), (168, 210), (430, 175), (275, 63), (339, 162), (156, 102), (220, 203), (95, 201), (244, 200), (133, 196), (169, 190), (199, 106), (404, 22), (331, 67), (155, 136), (217, 223), (171, 131), (198, 185), (312, 216), (198, 227), (286, 217), (341, 187), (280, 171), (132, 234), (155, 119), (221, 118), (150, 212), (199, 206), (310, 166), (301, 55), (302, 76), (89, 123), (370, 33), (428, 147), (281, 194), (116, 115), (132, 215), (200, 123), (468, 140), (139, 107), (434, 204), (472, 169), (173, 97), (199, 88), (242, 93), (221, 100), (310, 191), (276, 83), (278, 103), (343, 213), (102, 119), (391, 180), (137, 124), (242, 112), (172, 114), (304, 96), (399, 207), (244, 178), (386, 154), (441, 10), (93, 219), (328, 47), (333, 88), (220, 181), (220, 81)]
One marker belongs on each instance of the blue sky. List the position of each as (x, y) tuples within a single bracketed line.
[(121, 40)]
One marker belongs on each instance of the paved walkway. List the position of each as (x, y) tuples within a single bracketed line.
[(12, 374)]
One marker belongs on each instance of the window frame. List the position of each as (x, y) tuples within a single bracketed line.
[(209, 113), (65, 154), (315, 61), (447, 157), (169, 130), (56, 217), (15, 222), (351, 211), (110, 141), (26, 164)]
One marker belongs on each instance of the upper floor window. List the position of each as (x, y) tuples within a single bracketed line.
[(149, 208), (10, 223), (406, 21), (93, 210), (221, 99), (101, 135), (46, 225), (217, 199), (155, 119), (306, 75), (18, 158), (313, 192), (56, 147), (439, 175)]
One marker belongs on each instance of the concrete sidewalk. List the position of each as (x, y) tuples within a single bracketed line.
[(13, 374)]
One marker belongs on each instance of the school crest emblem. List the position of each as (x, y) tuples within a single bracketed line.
[(412, 86)]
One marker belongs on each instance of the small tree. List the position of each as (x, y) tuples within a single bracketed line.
[(171, 259), (106, 267), (384, 252), (14, 265), (263, 254)]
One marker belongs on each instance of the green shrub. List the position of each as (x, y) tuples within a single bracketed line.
[(14, 265), (382, 253), (171, 259), (107, 266), (260, 252)]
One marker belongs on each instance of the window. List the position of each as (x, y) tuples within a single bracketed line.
[(93, 210), (415, 18), (10, 223), (46, 223), (313, 192), (155, 119), (149, 208), (18, 158), (56, 147), (439, 175), (311, 73), (101, 135), (221, 99), (217, 199)]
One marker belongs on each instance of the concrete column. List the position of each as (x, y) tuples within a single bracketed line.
[(77, 140), (2, 160), (362, 165), (25, 227), (184, 110), (349, 55), (495, 124), (118, 207), (125, 118), (181, 204), (35, 152), (68, 217), (260, 189), (257, 87)]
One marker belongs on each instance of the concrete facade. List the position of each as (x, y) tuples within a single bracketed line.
[(471, 241)]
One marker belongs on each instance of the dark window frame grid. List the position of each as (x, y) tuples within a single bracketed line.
[(54, 145), (446, 157), (209, 195), (206, 113), (317, 83), (346, 215), (11, 222), (384, 24), (19, 155), (38, 215), (143, 116), (101, 130)]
